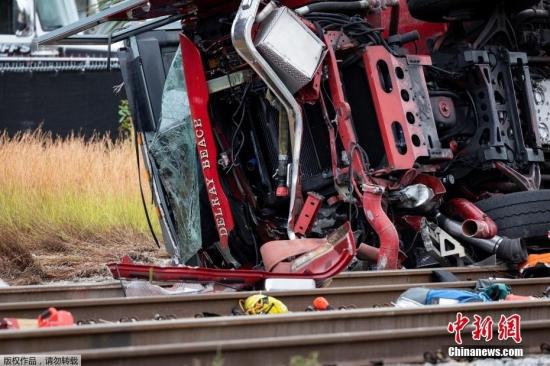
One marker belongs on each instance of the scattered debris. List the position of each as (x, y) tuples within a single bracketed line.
[(49, 318), (536, 265), (285, 284), (144, 288), (512, 297), (495, 291), (486, 290), (262, 304), (320, 304), (419, 296)]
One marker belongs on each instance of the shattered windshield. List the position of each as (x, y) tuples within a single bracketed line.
[(174, 153), (54, 14)]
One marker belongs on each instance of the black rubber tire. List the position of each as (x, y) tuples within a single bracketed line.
[(521, 215), (438, 10)]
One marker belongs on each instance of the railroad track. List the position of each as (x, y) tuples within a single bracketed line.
[(359, 336), (357, 348), (347, 279), (229, 328), (182, 306)]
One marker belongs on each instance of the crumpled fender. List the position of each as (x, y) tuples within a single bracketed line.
[(328, 259)]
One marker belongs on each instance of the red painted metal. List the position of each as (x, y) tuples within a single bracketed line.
[(308, 255), (308, 213), (367, 253), (414, 222), (393, 98), (371, 254), (367, 188), (311, 92), (388, 254), (433, 183), (477, 223), (319, 267), (369, 192), (197, 90)]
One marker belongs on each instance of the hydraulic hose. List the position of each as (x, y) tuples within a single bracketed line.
[(394, 19), (388, 254), (330, 6)]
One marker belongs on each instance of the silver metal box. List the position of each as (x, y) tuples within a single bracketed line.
[(293, 50)]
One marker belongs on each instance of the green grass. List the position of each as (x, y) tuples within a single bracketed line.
[(69, 212), (68, 196)]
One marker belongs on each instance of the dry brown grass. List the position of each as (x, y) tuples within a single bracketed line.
[(68, 206)]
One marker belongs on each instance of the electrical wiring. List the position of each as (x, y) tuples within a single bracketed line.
[(238, 124), (355, 27)]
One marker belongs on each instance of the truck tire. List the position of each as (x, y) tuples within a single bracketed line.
[(437, 10), (524, 215)]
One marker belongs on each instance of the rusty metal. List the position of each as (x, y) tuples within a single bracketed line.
[(229, 328), (365, 346), (222, 303), (345, 279)]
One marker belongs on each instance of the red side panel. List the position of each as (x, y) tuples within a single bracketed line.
[(395, 106), (197, 90)]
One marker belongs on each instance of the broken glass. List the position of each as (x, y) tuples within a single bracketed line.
[(174, 153)]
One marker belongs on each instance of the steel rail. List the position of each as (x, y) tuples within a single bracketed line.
[(346, 279), (145, 308), (391, 345), (410, 276), (236, 327)]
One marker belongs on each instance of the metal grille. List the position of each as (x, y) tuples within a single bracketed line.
[(49, 64)]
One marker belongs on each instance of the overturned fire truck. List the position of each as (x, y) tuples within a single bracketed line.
[(295, 138)]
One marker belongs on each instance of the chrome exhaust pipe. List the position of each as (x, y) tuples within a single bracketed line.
[(241, 36)]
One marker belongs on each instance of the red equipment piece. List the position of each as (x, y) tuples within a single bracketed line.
[(308, 213), (315, 265), (404, 142), (197, 90), (321, 304), (477, 224), (49, 318), (55, 318), (370, 192)]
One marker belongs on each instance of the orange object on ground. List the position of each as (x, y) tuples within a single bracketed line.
[(320, 303), (55, 318), (536, 265), (534, 259), (49, 318)]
